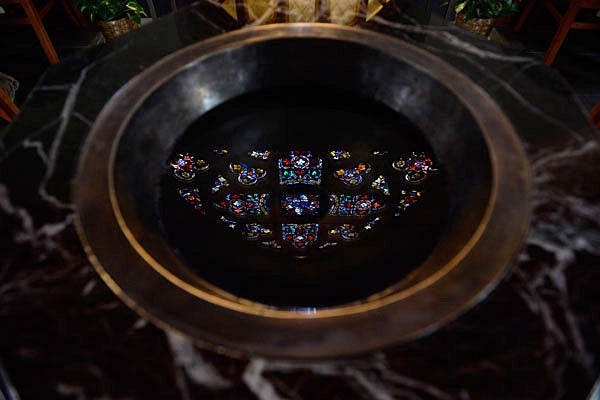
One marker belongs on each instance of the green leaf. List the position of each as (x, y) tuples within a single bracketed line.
[(110, 10), (485, 8)]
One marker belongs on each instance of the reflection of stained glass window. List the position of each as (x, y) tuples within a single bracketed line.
[(407, 199), (300, 204), (346, 232), (271, 244), (247, 176), (300, 235), (353, 176), (371, 224), (417, 167), (260, 154), (185, 167), (339, 155), (258, 212), (220, 183), (192, 197), (220, 152), (353, 205), (255, 231), (245, 204), (229, 223), (300, 167), (381, 184)]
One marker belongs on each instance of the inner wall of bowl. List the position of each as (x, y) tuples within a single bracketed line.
[(162, 118)]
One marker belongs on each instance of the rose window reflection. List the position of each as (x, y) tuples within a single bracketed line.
[(301, 199)]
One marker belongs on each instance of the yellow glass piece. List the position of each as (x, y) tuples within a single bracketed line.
[(374, 6), (302, 10), (230, 7), (343, 12), (261, 11)]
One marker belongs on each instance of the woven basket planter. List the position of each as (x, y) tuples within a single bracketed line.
[(113, 29), (478, 25)]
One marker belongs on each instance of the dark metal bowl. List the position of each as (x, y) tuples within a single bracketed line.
[(120, 169)]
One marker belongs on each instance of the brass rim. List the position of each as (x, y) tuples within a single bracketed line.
[(497, 131)]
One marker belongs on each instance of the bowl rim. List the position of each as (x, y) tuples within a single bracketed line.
[(497, 132)]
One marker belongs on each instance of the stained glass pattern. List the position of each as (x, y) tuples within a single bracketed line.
[(251, 215), (353, 176), (255, 231), (192, 197), (185, 167), (247, 176), (349, 205), (382, 185), (300, 235), (416, 168), (300, 167), (220, 183), (407, 199), (260, 154), (339, 155), (229, 223), (245, 204), (346, 232), (295, 205), (301, 10)]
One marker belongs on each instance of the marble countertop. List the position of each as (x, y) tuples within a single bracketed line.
[(65, 335)]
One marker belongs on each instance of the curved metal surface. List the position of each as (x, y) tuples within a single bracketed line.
[(176, 300)]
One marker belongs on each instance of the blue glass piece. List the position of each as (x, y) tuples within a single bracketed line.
[(255, 231), (300, 167), (381, 184), (300, 235), (220, 183), (345, 232), (245, 204), (300, 204), (247, 176)]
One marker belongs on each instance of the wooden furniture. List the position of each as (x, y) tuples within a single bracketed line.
[(566, 22), (595, 115), (33, 17), (8, 109)]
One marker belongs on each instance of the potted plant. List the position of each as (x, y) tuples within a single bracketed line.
[(479, 16), (114, 17)]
